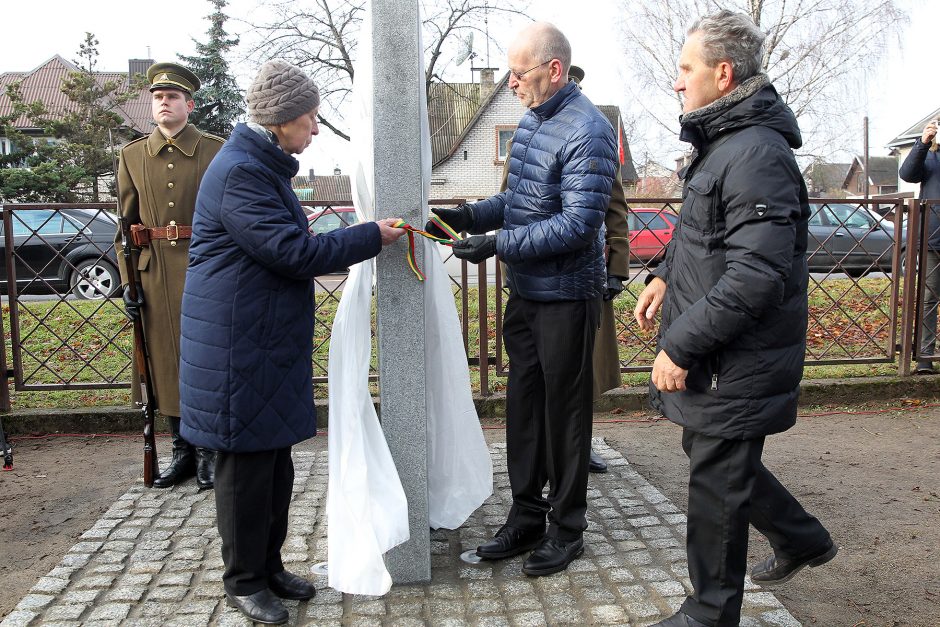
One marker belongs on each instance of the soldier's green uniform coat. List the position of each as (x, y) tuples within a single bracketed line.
[(158, 178)]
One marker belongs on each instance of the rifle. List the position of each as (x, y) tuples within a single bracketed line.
[(141, 356)]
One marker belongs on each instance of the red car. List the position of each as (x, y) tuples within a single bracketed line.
[(326, 219), (650, 231)]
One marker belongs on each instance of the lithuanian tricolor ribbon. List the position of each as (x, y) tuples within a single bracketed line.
[(436, 221)]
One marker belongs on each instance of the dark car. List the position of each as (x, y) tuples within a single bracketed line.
[(650, 231), (61, 250), (848, 238)]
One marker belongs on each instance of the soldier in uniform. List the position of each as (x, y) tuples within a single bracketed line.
[(606, 355), (158, 177)]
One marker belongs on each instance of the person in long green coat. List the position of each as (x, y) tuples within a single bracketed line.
[(606, 356), (158, 177)]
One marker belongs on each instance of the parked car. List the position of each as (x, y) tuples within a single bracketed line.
[(650, 231), (326, 219), (844, 237), (62, 250)]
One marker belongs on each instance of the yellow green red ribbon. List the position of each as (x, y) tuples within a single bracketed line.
[(436, 221)]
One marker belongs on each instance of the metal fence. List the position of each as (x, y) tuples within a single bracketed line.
[(67, 330)]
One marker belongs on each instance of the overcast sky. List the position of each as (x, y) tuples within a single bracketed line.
[(900, 93)]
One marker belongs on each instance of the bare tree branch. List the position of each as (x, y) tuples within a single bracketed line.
[(322, 37), (816, 53)]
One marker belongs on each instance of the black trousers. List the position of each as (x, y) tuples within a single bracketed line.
[(729, 487), (548, 411), (252, 497)]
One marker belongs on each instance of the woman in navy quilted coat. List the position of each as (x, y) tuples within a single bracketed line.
[(247, 331)]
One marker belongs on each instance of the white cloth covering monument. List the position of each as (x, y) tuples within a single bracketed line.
[(426, 465)]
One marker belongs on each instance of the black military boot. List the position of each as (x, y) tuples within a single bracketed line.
[(205, 468), (183, 464)]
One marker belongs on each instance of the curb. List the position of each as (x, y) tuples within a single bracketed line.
[(815, 392)]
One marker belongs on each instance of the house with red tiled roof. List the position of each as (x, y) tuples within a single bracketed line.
[(44, 84)]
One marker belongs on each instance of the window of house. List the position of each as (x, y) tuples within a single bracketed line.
[(503, 135)]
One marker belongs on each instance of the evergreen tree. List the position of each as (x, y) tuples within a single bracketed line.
[(35, 171), (70, 167), (219, 102)]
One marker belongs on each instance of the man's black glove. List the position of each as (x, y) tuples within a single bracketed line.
[(475, 248), (459, 218), (614, 287), (131, 306)]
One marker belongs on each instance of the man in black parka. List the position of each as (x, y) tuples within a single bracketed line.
[(734, 314)]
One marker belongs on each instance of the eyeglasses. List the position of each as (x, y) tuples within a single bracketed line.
[(519, 75)]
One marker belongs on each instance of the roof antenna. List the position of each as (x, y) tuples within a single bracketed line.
[(486, 26), (148, 52)]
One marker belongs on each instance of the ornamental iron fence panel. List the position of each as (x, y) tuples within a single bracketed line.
[(67, 330)]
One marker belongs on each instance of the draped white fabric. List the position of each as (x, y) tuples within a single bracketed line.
[(366, 507)]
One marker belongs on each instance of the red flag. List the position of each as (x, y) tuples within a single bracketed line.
[(620, 144)]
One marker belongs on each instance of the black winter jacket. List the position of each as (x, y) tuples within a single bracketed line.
[(922, 166), (735, 310)]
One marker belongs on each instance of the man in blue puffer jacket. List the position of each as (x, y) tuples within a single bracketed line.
[(551, 215)]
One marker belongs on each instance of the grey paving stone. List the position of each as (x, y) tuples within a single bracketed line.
[(527, 619), (97, 581), (485, 606), (369, 608), (653, 574), (400, 608), (50, 585), (126, 594), (779, 618), (564, 616), (110, 612), (34, 602), (522, 602), (63, 613), (320, 612), (608, 614), (668, 588), (18, 618)]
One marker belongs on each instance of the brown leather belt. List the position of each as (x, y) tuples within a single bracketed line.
[(141, 235)]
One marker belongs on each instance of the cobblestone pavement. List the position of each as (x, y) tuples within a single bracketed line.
[(154, 559)]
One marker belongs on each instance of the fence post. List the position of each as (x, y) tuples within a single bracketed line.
[(484, 340), (909, 300), (5, 384)]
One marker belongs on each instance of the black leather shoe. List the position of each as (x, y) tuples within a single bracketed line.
[(261, 607), (510, 541), (552, 556), (205, 468), (679, 620), (290, 586), (597, 463), (774, 570)]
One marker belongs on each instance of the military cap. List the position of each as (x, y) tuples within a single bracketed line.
[(575, 74), (172, 76)]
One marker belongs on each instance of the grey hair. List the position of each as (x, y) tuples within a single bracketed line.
[(731, 37), (550, 43)]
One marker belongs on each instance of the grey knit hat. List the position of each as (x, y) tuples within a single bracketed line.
[(280, 93)]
